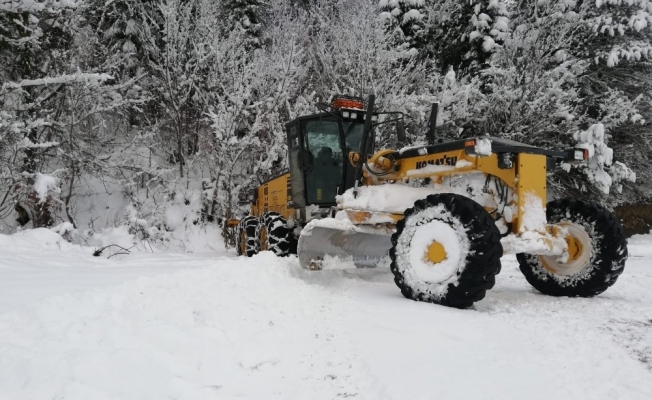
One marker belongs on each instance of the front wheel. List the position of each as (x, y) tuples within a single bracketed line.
[(597, 251), (446, 250)]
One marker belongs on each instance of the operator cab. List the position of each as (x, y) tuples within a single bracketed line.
[(318, 147)]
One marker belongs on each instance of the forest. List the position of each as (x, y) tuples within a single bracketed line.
[(161, 114)]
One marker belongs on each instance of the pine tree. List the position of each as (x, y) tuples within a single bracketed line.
[(462, 35), (246, 17), (130, 30), (405, 22)]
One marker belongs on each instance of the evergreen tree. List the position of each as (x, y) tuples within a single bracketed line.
[(247, 18), (462, 35), (405, 22), (130, 30)]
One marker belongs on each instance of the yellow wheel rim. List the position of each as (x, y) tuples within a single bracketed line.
[(575, 248), (436, 253), (579, 252), (263, 239)]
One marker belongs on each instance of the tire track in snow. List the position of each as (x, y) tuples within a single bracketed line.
[(516, 343)]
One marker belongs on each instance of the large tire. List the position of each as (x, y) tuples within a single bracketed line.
[(246, 242), (274, 234), (586, 274), (471, 259)]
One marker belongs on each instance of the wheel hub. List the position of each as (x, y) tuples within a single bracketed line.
[(436, 253), (575, 248), (579, 252)]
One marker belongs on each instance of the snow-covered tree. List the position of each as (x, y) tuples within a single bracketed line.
[(54, 113), (181, 104), (36, 45), (251, 97), (357, 56), (538, 88), (245, 17), (129, 30), (405, 22), (463, 35)]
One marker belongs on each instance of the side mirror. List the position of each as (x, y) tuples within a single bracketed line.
[(306, 160), (400, 132)]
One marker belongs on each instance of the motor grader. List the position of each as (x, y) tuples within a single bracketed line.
[(444, 213)]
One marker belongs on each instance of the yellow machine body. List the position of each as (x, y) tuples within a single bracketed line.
[(421, 207), (527, 176), (515, 184), (273, 196)]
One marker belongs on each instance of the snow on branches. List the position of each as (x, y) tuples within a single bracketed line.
[(182, 104), (601, 168)]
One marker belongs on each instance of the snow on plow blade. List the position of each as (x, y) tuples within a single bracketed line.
[(365, 247)]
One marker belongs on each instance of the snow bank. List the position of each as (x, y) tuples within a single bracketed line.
[(195, 239), (261, 328), (59, 238), (119, 236), (37, 239), (241, 328), (184, 210), (191, 239)]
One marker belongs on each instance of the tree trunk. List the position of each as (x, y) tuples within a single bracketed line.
[(67, 199)]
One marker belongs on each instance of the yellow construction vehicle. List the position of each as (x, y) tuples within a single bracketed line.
[(444, 213)]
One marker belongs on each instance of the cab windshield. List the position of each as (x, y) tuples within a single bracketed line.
[(353, 135)]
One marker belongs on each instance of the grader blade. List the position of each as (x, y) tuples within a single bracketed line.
[(363, 248)]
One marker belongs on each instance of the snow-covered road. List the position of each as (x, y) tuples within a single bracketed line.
[(211, 326)]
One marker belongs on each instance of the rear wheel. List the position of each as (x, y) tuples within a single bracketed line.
[(246, 242), (446, 250), (274, 234), (597, 251)]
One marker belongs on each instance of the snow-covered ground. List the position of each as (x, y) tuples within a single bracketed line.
[(212, 326)]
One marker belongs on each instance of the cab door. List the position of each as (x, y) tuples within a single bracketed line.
[(323, 147), (297, 166)]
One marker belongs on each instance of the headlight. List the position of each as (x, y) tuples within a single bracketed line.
[(579, 154), (354, 115), (345, 114)]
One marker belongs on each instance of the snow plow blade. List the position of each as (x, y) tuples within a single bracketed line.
[(364, 247)]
